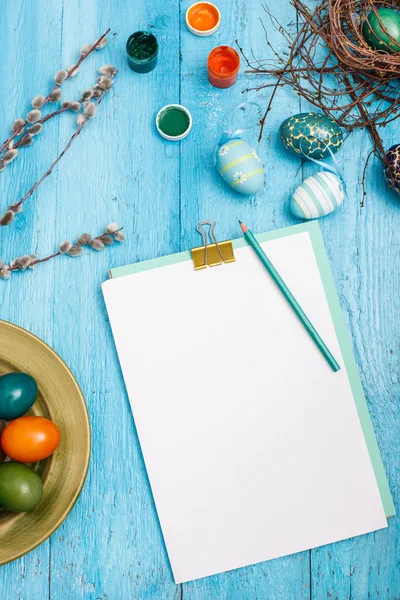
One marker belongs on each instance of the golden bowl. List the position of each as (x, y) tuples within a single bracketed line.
[(63, 474)]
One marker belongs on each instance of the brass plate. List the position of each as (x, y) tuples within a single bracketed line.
[(63, 474)]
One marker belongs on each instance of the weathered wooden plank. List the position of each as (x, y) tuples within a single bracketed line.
[(205, 195), (364, 250), (30, 56), (111, 546)]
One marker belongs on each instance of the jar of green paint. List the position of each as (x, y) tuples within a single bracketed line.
[(142, 51), (174, 122)]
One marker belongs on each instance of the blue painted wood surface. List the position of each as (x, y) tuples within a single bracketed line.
[(110, 547)]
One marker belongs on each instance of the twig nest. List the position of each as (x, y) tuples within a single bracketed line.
[(311, 134), (392, 174), (381, 30), (317, 196)]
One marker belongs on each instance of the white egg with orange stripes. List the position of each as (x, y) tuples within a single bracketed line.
[(317, 196), (240, 166)]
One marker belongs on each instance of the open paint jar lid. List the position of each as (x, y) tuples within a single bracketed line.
[(173, 122), (203, 18)]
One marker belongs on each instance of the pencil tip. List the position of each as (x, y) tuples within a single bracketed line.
[(242, 226)]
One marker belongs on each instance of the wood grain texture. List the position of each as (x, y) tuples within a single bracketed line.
[(110, 547)]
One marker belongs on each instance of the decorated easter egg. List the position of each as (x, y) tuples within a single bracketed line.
[(240, 166), (383, 32), (20, 487), (392, 175), (18, 392), (317, 196), (311, 134)]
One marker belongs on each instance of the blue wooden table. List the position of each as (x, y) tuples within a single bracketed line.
[(119, 169)]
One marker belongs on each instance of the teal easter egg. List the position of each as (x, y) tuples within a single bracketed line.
[(384, 35), (317, 196), (311, 134), (18, 392), (240, 166)]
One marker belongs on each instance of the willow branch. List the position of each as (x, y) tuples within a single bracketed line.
[(83, 118), (70, 73)]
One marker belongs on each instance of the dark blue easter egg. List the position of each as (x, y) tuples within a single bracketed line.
[(392, 175), (18, 392), (311, 134)]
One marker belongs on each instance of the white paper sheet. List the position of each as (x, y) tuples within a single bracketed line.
[(252, 444)]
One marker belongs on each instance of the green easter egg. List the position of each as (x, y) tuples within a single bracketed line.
[(385, 37), (18, 392), (311, 134), (21, 488)]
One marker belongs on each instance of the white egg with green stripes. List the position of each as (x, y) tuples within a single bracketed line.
[(240, 166), (317, 196)]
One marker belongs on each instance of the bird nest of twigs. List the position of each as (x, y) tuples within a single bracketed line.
[(331, 65)]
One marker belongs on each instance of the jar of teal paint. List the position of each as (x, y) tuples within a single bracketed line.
[(173, 122), (142, 51)]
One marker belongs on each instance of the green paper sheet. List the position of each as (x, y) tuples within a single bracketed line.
[(340, 327)]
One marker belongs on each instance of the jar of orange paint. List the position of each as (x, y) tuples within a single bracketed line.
[(223, 66), (203, 18)]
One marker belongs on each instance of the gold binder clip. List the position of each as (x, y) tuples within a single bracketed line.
[(214, 254)]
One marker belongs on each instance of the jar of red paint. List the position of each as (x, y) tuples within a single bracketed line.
[(223, 66)]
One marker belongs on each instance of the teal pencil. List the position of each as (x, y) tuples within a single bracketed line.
[(290, 298)]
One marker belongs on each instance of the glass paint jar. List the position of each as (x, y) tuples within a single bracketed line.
[(223, 66), (142, 51)]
